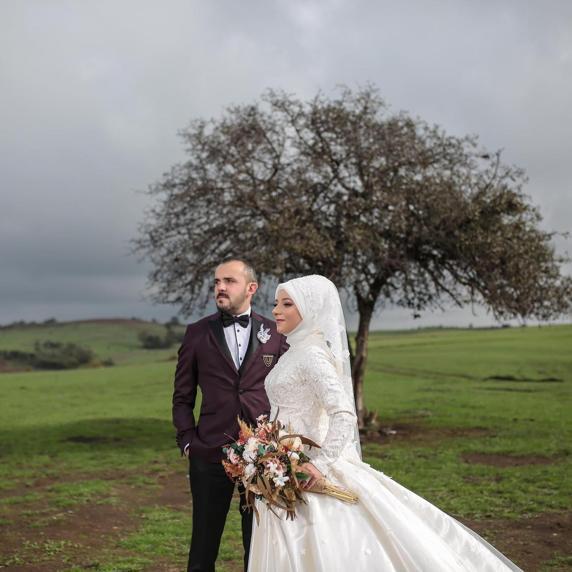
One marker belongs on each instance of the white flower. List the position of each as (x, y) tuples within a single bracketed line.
[(249, 470), (293, 443), (297, 444), (263, 334), (272, 467), (251, 444), (250, 450), (275, 468), (294, 456), (249, 457), (280, 481)]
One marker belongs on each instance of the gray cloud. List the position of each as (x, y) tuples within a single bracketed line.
[(93, 94)]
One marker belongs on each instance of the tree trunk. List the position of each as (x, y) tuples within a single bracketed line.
[(365, 309)]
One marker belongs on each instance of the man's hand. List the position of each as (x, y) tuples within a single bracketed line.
[(314, 474)]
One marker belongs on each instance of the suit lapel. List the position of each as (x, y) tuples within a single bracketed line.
[(218, 333), (253, 343)]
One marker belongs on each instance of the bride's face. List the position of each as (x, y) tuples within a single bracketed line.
[(285, 313)]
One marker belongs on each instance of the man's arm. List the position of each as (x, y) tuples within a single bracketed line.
[(185, 393)]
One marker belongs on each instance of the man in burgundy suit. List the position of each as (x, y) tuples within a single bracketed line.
[(228, 355)]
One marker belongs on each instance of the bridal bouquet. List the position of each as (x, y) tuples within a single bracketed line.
[(267, 459)]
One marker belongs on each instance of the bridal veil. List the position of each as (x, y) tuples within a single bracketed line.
[(323, 323)]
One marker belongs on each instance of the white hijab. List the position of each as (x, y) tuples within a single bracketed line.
[(322, 324)]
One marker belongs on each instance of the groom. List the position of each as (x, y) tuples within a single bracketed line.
[(228, 355)]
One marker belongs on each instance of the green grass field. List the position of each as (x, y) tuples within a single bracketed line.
[(476, 421)]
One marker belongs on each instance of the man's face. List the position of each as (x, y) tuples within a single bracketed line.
[(233, 292)]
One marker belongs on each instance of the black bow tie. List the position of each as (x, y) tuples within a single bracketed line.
[(228, 320)]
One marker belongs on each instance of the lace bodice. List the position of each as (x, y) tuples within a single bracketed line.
[(305, 391)]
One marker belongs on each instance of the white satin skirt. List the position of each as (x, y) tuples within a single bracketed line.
[(391, 529)]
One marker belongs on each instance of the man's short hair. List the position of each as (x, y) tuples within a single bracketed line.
[(249, 269)]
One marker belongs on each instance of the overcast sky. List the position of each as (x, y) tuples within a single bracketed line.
[(94, 92)]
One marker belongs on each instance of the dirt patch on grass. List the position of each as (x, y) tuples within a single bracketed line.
[(529, 542), (48, 539), (40, 483), (37, 536), (506, 460), (53, 540), (404, 431), (10, 367), (14, 369), (513, 389), (523, 379), (174, 491)]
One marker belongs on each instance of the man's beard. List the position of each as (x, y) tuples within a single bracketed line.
[(227, 305)]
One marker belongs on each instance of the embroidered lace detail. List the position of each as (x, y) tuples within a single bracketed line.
[(305, 391)]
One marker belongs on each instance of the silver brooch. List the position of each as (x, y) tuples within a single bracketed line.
[(263, 334)]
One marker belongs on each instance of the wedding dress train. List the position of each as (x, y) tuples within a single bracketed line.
[(391, 529)]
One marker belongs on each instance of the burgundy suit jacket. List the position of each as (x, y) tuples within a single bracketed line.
[(204, 361)]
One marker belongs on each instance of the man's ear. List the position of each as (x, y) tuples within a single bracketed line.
[(252, 287)]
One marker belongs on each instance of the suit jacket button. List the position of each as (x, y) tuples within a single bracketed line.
[(240, 391)]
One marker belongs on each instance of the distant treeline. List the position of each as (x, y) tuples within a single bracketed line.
[(153, 341), (24, 324), (52, 355), (174, 321)]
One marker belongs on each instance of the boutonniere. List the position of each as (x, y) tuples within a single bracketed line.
[(263, 334)]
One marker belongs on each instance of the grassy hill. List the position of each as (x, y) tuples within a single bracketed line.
[(476, 421), (115, 339)]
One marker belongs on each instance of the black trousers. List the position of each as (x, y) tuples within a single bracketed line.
[(212, 491)]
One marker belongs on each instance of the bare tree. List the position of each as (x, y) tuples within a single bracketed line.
[(393, 210)]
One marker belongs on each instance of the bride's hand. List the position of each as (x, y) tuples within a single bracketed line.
[(314, 474)]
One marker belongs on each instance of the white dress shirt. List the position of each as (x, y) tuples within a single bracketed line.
[(237, 339)]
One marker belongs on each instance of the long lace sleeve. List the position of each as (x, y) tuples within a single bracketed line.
[(322, 376)]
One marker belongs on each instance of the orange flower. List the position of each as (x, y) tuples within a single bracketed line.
[(233, 471), (245, 431)]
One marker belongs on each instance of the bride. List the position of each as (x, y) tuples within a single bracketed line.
[(391, 529)]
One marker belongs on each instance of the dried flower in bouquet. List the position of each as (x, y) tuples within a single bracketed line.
[(267, 461)]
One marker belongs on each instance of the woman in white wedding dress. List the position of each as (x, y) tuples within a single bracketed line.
[(391, 529)]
